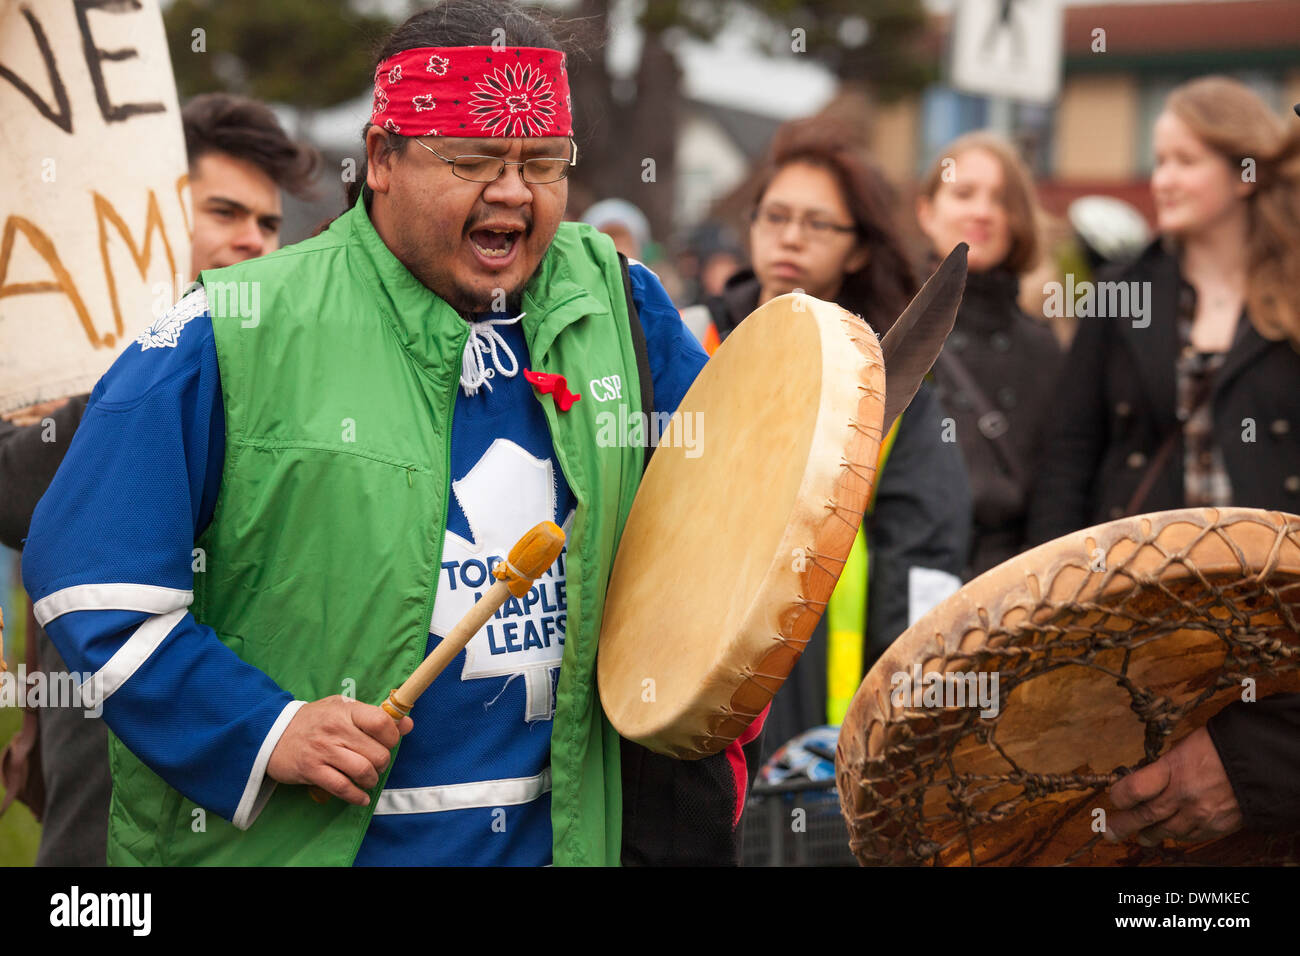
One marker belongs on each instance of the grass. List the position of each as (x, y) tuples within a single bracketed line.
[(20, 834)]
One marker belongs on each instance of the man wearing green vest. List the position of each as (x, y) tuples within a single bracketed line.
[(288, 490)]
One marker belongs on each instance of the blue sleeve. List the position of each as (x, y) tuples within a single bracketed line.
[(109, 564), (675, 355)]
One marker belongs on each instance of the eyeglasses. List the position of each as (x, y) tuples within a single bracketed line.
[(772, 219), (488, 169)]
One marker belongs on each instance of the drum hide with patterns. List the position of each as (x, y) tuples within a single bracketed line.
[(1079, 661)]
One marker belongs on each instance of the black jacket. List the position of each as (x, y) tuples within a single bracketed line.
[(27, 466), (1015, 362), (1115, 406), (1116, 403), (922, 519)]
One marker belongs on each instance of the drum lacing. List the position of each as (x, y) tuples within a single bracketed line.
[(817, 557), (851, 516), (871, 431), (857, 469), (888, 822)]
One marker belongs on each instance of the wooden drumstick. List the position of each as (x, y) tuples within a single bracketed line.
[(528, 560)]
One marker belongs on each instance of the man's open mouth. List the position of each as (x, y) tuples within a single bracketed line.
[(494, 243)]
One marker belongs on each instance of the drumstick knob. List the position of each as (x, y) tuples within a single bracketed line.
[(530, 557), (393, 707)]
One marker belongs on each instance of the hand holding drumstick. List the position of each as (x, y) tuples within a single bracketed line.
[(342, 746), (339, 745)]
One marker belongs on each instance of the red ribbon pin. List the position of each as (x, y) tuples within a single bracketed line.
[(549, 384)]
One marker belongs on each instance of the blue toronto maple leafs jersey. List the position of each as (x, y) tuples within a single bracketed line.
[(108, 563)]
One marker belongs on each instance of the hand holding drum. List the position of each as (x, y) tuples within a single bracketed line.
[(1021, 720)]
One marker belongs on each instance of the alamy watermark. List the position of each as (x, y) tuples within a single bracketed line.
[(946, 690), (226, 300), (236, 300), (53, 689), (623, 429), (1101, 300), (75, 908)]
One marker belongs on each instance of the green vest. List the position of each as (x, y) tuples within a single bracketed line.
[(324, 549)]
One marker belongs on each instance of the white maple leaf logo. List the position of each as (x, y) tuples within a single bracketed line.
[(166, 331), (506, 493)]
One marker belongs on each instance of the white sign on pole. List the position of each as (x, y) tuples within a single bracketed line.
[(94, 210), (1008, 48)]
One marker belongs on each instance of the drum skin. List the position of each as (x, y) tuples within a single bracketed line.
[(1110, 645), (729, 554)]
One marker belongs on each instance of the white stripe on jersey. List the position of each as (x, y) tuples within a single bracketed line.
[(464, 796), (144, 640), (637, 262), (111, 597), (258, 788)]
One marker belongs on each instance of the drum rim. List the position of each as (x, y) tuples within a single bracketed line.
[(846, 343)]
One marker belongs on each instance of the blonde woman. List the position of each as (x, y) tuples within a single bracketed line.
[(999, 366), (1193, 398)]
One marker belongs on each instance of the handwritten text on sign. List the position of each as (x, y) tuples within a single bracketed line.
[(95, 212)]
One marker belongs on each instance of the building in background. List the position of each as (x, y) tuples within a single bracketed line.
[(1096, 137)]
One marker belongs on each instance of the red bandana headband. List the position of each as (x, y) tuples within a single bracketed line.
[(478, 91)]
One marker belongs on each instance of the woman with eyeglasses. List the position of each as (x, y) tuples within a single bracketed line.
[(822, 224), (998, 367)]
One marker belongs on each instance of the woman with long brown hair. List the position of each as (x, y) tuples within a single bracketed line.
[(823, 223), (1191, 397)]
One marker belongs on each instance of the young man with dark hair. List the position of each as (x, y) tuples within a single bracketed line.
[(239, 161)]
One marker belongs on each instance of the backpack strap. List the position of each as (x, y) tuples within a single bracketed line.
[(992, 422), (642, 355)]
